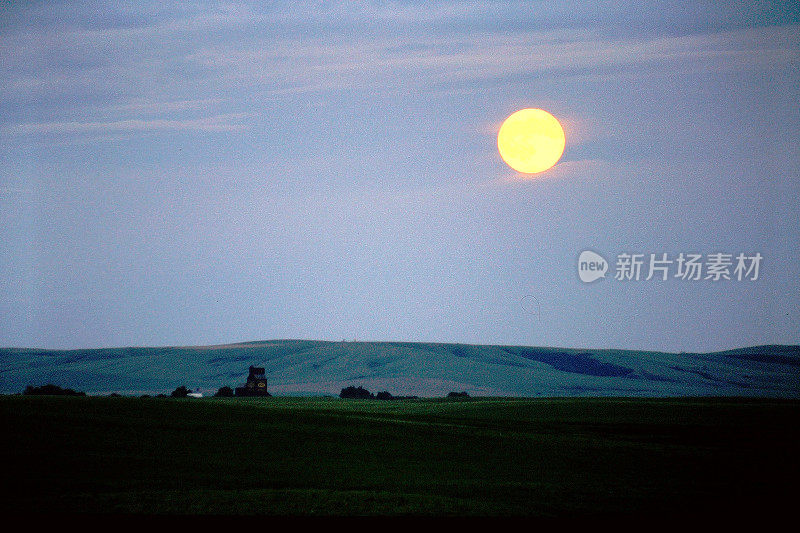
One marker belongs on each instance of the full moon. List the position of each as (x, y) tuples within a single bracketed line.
[(531, 141)]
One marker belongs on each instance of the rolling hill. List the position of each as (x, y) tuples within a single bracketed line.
[(409, 368)]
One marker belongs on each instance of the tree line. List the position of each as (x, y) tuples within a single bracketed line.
[(351, 392)]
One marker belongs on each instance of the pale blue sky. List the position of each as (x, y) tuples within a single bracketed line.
[(196, 174)]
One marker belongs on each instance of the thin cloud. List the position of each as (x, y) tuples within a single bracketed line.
[(158, 107), (224, 122), (561, 170), (123, 65), (290, 66)]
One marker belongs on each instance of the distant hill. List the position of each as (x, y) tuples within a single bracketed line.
[(411, 368)]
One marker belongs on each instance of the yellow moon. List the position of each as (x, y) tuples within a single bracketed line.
[(531, 141)]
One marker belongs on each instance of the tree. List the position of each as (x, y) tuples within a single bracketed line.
[(458, 395), (51, 390), (359, 393), (180, 392), (224, 392), (385, 395)]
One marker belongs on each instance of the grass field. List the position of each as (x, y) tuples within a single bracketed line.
[(316, 456)]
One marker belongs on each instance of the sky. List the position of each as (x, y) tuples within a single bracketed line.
[(193, 174)]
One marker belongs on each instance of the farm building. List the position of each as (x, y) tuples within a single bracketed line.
[(256, 384)]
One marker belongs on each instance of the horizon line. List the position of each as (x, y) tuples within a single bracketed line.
[(355, 341)]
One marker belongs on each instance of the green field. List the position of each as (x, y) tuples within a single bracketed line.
[(543, 457)]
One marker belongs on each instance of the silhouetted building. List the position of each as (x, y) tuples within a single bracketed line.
[(256, 384)]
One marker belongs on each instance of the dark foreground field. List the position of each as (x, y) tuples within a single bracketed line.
[(564, 457)]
